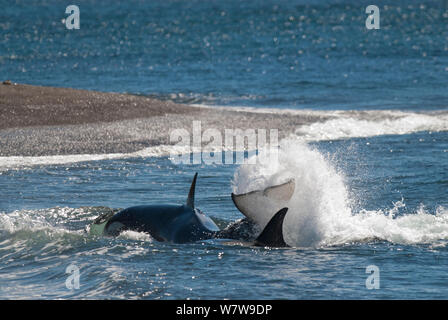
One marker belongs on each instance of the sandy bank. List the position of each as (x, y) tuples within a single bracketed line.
[(39, 120)]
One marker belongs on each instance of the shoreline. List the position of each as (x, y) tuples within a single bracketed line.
[(43, 121), (25, 105), (47, 121)]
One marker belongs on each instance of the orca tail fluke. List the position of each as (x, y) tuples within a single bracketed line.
[(272, 235), (190, 199), (260, 204)]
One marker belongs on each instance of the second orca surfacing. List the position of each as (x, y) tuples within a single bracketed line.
[(186, 224)]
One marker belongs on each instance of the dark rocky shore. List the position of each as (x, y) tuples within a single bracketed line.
[(39, 121)]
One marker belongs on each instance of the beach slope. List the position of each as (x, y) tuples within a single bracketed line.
[(40, 121)]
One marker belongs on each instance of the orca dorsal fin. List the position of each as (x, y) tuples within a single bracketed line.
[(190, 199), (272, 235)]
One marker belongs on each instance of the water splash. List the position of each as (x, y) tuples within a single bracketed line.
[(320, 210)]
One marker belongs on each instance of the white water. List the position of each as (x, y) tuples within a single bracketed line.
[(320, 211), (20, 162), (373, 123)]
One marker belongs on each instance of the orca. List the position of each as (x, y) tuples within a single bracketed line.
[(186, 223), (259, 206)]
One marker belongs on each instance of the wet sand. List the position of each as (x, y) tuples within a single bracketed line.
[(37, 121)]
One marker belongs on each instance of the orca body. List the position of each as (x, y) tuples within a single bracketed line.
[(170, 223), (185, 223)]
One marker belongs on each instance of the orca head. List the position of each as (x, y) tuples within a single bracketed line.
[(99, 224)]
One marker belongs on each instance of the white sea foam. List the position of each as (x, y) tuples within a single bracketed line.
[(29, 161), (51, 221), (373, 123), (137, 236), (320, 211)]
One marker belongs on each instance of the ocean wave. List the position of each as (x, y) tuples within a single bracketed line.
[(373, 123)]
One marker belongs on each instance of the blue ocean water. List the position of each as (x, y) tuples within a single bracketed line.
[(283, 53), (372, 189)]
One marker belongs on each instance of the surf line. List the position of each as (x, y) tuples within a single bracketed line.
[(248, 146)]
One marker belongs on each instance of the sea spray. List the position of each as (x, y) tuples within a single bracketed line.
[(320, 210), (320, 195)]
